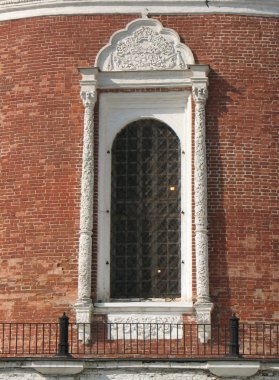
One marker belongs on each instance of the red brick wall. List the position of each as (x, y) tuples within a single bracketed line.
[(41, 147)]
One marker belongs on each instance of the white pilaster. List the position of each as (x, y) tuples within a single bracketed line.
[(203, 304), (84, 305)]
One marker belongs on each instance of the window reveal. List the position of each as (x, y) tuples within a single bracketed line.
[(145, 212)]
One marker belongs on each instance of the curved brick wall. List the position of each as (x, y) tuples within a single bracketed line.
[(41, 146)]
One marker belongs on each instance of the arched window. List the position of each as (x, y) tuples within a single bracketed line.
[(160, 263), (145, 212)]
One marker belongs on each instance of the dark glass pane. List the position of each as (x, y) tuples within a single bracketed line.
[(145, 212)]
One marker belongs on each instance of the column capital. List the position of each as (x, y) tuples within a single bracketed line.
[(88, 97), (200, 92), (88, 86)]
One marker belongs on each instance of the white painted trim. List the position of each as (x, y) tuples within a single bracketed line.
[(116, 111), (18, 9), (115, 80), (142, 79), (169, 307)]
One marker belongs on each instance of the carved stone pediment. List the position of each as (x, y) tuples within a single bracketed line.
[(144, 45)]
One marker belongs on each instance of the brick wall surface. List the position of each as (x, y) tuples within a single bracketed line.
[(41, 126)]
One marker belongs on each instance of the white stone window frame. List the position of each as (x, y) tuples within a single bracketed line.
[(171, 66), (117, 110)]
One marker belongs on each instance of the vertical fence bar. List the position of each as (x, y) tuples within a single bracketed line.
[(257, 338), (250, 340), (91, 328), (191, 340), (277, 339), (43, 342), (170, 339), (225, 339), (16, 333), (197, 339), (29, 340), (177, 338), (83, 341), (263, 339), (157, 343), (270, 339), (49, 339), (10, 338), (110, 338), (150, 339), (204, 340), (77, 340), (97, 337), (36, 338), (137, 338), (117, 338), (71, 338), (3, 336), (218, 340), (234, 333), (211, 341), (104, 337)]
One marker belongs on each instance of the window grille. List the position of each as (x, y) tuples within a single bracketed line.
[(145, 212)]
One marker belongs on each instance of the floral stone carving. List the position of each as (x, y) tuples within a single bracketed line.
[(145, 326), (144, 45)]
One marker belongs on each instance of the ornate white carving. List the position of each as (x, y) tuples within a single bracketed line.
[(84, 303), (200, 94), (203, 305), (86, 203), (200, 186), (144, 45), (145, 326)]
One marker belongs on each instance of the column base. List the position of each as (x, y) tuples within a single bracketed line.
[(84, 310), (203, 313)]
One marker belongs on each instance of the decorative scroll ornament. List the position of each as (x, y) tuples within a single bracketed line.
[(144, 45)]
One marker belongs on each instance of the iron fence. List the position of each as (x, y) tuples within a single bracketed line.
[(139, 340)]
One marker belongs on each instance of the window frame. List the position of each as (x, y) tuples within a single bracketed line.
[(116, 111)]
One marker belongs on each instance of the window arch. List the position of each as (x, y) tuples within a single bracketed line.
[(145, 212)]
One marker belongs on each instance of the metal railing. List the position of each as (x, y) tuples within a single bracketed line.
[(139, 340)]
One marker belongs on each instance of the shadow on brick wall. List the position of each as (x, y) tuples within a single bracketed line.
[(217, 121)]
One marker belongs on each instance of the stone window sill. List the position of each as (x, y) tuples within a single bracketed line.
[(141, 307)]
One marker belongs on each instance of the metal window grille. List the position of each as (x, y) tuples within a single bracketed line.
[(145, 212)]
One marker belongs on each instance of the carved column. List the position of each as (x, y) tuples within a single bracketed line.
[(203, 304), (84, 305)]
